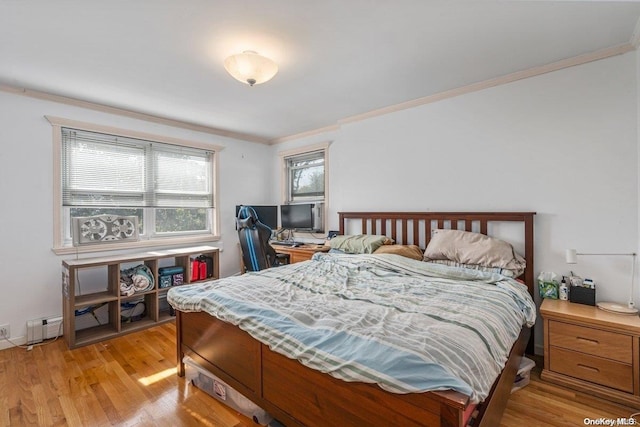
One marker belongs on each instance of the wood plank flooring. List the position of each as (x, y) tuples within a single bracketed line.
[(131, 381)]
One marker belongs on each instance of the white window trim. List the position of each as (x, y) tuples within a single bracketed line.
[(322, 146), (58, 123)]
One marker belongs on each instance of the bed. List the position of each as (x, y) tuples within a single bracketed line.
[(296, 394)]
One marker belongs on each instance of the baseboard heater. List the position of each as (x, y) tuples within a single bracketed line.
[(39, 330)]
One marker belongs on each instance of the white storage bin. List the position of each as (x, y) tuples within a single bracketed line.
[(217, 388), (524, 374)]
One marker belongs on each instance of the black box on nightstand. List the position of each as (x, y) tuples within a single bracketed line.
[(582, 295)]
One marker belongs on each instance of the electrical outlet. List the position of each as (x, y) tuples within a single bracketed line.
[(5, 331)]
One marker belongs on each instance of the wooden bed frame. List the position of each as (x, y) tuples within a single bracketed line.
[(297, 395)]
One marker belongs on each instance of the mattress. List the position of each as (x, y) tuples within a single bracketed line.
[(407, 325)]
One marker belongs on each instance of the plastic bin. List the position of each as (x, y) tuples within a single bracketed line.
[(524, 374), (218, 389)]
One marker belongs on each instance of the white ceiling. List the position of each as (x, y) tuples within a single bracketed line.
[(337, 58)]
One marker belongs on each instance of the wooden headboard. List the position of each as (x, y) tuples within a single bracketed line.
[(414, 228)]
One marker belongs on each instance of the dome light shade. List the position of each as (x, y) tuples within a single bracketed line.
[(250, 68)]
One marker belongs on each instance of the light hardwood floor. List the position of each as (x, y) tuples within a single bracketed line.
[(131, 381)]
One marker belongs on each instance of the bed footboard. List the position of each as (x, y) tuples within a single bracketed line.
[(297, 395), (490, 412)]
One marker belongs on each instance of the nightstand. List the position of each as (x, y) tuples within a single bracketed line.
[(300, 253), (591, 350)]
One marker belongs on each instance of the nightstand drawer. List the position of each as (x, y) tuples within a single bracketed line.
[(596, 342), (591, 368)]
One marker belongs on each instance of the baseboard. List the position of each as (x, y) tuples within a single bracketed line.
[(4, 344), (538, 350)]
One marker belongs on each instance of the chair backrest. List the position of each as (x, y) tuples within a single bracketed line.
[(254, 237)]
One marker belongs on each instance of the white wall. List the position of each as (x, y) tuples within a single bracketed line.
[(31, 285), (563, 144)]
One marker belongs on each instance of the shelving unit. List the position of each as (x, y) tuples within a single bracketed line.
[(106, 271)]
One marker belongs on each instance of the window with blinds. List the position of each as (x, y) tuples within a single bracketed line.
[(168, 187), (305, 176)]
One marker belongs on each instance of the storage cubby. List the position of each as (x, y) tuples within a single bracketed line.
[(92, 287), (165, 311)]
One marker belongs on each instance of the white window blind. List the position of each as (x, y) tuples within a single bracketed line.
[(114, 171)]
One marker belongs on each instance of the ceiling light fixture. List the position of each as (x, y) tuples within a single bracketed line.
[(250, 68)]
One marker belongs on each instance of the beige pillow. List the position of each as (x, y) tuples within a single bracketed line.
[(473, 248), (409, 251), (359, 243)]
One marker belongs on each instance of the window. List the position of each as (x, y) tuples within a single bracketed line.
[(304, 179), (305, 176), (169, 187)]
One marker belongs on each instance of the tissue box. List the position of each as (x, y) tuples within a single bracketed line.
[(548, 289)]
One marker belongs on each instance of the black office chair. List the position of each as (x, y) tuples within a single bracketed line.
[(254, 237)]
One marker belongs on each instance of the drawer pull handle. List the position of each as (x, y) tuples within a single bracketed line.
[(590, 368), (589, 340)]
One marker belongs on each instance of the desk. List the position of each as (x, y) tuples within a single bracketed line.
[(300, 253)]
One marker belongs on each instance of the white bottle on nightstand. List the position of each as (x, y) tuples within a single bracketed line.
[(564, 290)]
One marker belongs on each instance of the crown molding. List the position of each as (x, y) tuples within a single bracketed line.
[(486, 84), (475, 87), (130, 113), (304, 134)]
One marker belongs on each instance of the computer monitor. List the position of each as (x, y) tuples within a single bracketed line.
[(268, 215), (297, 217)]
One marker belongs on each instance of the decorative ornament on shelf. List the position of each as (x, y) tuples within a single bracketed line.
[(571, 257), (250, 68)]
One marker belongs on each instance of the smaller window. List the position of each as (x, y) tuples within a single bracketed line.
[(305, 176)]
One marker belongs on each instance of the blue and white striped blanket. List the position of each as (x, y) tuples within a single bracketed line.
[(406, 325)]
